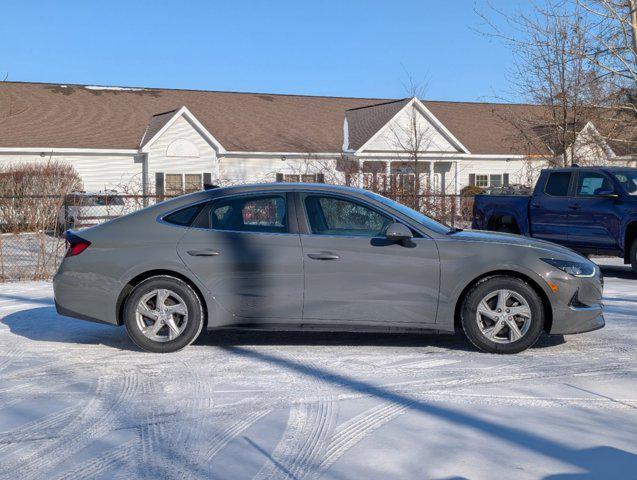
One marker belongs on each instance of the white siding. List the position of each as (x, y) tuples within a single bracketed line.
[(519, 170), (182, 131), (97, 171), (233, 170)]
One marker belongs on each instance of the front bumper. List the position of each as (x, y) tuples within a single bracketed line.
[(577, 304)]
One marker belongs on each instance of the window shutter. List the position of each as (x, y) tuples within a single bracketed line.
[(472, 179), (207, 178), (159, 185), (505, 179), (279, 177), (320, 178)]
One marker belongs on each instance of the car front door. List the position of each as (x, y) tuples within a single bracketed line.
[(595, 218), (550, 208), (249, 258), (354, 275)]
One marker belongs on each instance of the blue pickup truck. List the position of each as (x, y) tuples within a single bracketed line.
[(592, 210)]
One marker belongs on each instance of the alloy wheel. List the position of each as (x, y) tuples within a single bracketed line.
[(161, 315), (503, 316)]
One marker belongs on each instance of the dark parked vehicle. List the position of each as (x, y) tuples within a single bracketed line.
[(293, 256), (591, 210)]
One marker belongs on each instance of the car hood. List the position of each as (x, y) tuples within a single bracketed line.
[(515, 240)]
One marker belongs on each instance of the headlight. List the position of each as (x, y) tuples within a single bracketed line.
[(577, 269)]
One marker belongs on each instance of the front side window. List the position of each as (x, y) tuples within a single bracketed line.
[(557, 184), (250, 214), (591, 183), (335, 216)]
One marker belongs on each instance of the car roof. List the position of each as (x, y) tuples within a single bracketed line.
[(591, 168), (286, 186)]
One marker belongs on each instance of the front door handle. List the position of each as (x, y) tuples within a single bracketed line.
[(203, 253), (574, 207), (536, 205), (323, 256)]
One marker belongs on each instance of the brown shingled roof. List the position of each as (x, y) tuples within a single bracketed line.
[(75, 116)]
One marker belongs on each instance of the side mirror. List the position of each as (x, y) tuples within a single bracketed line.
[(606, 192), (397, 232)]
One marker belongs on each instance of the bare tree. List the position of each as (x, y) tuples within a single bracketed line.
[(551, 71)]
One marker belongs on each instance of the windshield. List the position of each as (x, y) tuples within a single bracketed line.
[(628, 179), (413, 214)]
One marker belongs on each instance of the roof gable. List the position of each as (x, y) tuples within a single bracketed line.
[(408, 126), (161, 122)]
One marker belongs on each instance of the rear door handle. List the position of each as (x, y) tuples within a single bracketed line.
[(203, 253), (323, 256), (574, 207), (536, 205)]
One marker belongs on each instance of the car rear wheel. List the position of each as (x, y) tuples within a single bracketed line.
[(163, 314), (502, 314), (633, 256)]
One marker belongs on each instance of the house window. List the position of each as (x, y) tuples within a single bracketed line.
[(192, 182), (495, 180), (482, 180), (174, 184), (305, 178)]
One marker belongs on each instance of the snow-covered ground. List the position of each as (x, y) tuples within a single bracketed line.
[(78, 400)]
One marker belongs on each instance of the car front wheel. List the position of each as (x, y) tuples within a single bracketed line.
[(163, 314), (502, 314)]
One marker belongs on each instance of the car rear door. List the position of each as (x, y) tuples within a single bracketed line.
[(248, 255), (354, 275), (551, 206)]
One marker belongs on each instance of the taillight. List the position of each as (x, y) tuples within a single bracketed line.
[(76, 245)]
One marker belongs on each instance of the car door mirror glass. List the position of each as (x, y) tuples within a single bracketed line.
[(397, 231)]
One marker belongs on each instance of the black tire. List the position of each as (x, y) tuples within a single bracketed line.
[(181, 290), (633, 256), (488, 286)]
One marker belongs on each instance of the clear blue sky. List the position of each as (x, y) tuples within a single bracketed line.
[(342, 48)]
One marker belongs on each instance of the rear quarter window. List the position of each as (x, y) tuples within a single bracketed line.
[(185, 216)]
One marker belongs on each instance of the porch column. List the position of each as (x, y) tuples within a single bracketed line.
[(431, 177)]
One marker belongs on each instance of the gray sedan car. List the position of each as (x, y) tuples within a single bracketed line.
[(297, 256)]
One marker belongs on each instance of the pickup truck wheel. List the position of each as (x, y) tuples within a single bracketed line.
[(502, 314), (633, 256)]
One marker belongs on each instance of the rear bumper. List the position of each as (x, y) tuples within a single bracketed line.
[(85, 296)]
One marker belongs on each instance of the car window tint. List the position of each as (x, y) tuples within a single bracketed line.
[(250, 214), (557, 184), (185, 216), (335, 216), (590, 183)]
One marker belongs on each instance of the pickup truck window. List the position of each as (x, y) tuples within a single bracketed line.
[(589, 183), (628, 180), (557, 184)]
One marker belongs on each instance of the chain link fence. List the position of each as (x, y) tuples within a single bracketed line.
[(32, 243)]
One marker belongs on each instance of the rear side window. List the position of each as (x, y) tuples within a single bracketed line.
[(185, 216), (557, 184), (250, 214)]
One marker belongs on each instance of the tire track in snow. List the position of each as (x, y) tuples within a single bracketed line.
[(309, 426), (96, 419)]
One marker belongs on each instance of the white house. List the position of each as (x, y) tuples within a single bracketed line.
[(145, 139)]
